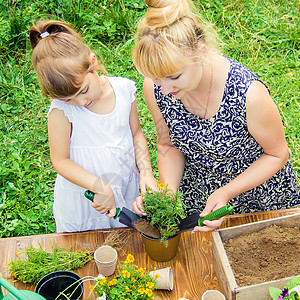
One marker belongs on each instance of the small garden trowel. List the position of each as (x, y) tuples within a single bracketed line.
[(129, 218)]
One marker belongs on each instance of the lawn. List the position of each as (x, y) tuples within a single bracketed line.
[(264, 35)]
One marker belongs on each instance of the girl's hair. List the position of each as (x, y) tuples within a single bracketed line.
[(168, 37), (60, 58)]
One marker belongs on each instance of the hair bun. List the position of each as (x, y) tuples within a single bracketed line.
[(161, 13)]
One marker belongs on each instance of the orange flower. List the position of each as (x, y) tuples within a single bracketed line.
[(156, 276), (16, 254), (150, 285), (133, 279), (148, 292), (161, 185), (129, 259), (125, 274), (102, 281), (128, 289), (112, 282), (91, 287)]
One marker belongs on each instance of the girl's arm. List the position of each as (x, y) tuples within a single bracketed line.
[(265, 125), (141, 151), (170, 160), (59, 132)]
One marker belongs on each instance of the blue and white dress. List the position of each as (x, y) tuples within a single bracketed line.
[(220, 148)]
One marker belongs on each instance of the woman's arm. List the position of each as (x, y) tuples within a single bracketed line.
[(265, 125), (141, 151), (59, 132), (170, 160)]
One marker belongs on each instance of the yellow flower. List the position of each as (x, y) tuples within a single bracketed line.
[(129, 259), (150, 285), (157, 181), (149, 292), (125, 274), (91, 287), (102, 281), (142, 270), (127, 299), (156, 276), (16, 254), (127, 289), (133, 279), (141, 290)]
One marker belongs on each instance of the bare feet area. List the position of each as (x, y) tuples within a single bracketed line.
[(270, 254)]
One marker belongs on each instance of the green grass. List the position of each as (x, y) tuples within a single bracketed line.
[(264, 35)]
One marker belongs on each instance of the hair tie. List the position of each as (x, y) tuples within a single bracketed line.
[(44, 34)]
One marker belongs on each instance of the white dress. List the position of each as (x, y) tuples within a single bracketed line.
[(102, 145)]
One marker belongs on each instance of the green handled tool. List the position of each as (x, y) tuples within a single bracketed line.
[(90, 195), (217, 214)]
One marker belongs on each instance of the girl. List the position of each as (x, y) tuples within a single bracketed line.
[(220, 136), (94, 132)]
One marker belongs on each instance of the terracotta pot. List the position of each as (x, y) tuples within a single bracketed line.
[(158, 251), (106, 260)]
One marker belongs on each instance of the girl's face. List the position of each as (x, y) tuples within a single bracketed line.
[(89, 92), (182, 82)]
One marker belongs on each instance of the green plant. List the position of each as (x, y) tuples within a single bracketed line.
[(39, 263), (164, 210), (290, 292), (133, 283)]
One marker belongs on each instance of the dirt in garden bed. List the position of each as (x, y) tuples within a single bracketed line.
[(270, 254)]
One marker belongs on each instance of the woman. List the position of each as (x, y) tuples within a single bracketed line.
[(220, 138)]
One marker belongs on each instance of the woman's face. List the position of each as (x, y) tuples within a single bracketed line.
[(182, 82)]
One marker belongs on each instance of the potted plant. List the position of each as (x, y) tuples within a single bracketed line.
[(290, 292), (164, 211), (133, 283)]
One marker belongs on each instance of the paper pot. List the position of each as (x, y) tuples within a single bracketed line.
[(157, 250), (165, 280), (213, 295), (106, 260)]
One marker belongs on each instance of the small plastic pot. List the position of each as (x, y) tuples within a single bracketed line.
[(51, 286)]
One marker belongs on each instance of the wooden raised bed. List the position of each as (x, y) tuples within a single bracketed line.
[(222, 266)]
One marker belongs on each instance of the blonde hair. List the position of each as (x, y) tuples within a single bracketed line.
[(61, 59), (168, 38)]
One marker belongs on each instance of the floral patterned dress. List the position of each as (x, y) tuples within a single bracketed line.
[(220, 148)]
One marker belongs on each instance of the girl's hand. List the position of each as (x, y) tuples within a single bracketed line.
[(137, 206), (215, 201), (104, 200), (147, 181)]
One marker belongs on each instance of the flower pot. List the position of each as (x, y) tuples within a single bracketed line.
[(213, 295), (52, 285), (106, 259), (165, 280), (158, 251)]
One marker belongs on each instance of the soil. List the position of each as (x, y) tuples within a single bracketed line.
[(143, 226), (267, 255)]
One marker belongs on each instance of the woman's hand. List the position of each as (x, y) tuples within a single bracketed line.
[(215, 201), (104, 200)]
